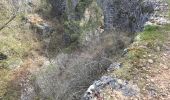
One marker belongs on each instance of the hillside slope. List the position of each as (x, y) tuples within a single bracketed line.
[(55, 50), (142, 73)]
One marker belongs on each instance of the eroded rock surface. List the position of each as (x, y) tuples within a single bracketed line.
[(160, 15), (125, 15), (114, 84)]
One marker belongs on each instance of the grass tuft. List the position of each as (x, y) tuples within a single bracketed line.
[(152, 33)]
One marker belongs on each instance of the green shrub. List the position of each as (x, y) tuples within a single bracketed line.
[(73, 30)]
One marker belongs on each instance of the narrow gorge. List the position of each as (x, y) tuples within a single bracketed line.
[(80, 49)]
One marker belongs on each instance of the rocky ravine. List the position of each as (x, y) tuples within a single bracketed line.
[(97, 31), (69, 75)]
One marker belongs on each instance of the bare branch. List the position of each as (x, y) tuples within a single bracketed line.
[(11, 19)]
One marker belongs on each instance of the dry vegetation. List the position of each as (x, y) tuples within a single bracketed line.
[(24, 51), (17, 42)]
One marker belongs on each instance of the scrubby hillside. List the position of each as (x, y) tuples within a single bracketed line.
[(19, 46), (56, 49)]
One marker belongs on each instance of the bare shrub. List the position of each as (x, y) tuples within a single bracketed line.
[(69, 76)]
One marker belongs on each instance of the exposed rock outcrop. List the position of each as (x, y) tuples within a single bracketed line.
[(161, 11), (125, 15), (94, 91), (58, 7)]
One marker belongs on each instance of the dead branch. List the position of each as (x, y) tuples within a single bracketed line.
[(3, 26)]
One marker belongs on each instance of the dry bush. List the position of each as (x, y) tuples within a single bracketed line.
[(69, 77)]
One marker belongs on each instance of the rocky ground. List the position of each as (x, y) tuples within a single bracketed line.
[(152, 85)]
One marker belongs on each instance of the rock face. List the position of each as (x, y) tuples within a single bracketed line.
[(93, 19), (125, 15), (59, 7)]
